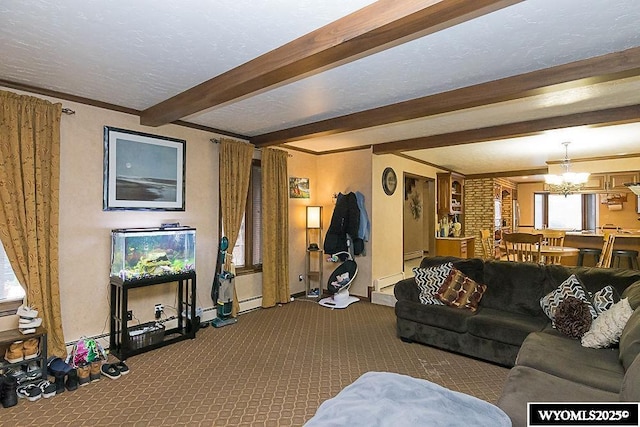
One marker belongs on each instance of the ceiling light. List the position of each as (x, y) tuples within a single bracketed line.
[(569, 182)]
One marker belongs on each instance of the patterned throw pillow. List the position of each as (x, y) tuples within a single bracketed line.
[(573, 317), (429, 281), (461, 291), (607, 328), (572, 287), (604, 299)]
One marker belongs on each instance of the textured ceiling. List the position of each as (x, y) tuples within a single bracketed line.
[(136, 54)]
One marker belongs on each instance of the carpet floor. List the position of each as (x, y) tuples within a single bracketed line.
[(272, 368)]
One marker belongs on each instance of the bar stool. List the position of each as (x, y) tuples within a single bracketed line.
[(589, 252), (628, 254)]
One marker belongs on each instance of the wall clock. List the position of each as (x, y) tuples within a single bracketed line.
[(389, 181)]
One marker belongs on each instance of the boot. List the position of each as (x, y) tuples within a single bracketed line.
[(72, 380), (8, 391), (59, 382), (84, 373), (31, 348), (15, 353), (95, 370)]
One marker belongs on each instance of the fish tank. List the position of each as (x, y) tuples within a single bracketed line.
[(144, 253)]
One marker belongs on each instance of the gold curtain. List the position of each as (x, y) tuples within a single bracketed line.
[(29, 199), (235, 170), (275, 228)]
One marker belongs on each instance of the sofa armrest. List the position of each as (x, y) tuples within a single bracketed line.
[(407, 289)]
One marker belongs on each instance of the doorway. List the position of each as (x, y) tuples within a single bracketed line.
[(418, 220)]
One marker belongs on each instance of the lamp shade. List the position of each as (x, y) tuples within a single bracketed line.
[(314, 216)]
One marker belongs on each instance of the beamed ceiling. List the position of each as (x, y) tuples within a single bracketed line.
[(476, 86)]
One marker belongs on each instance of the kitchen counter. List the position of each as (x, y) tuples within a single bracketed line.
[(461, 247), (625, 239)]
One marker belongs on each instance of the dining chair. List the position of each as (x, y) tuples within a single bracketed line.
[(607, 250), (522, 247), (488, 241), (553, 238)]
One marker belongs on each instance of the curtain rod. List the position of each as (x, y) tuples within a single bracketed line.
[(217, 141)]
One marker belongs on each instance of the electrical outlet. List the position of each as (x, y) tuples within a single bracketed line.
[(130, 315)]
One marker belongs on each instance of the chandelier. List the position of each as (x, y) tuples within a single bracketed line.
[(569, 182)]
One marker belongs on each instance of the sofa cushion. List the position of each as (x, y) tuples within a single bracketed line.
[(630, 340), (606, 328), (573, 317), (473, 267), (441, 316), (633, 293), (502, 326), (630, 390), (525, 384), (429, 281), (604, 299), (514, 287), (566, 358), (571, 287), (460, 291)]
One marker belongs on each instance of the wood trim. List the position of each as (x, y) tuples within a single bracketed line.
[(609, 67), (379, 26), (107, 106), (508, 174), (611, 116), (594, 159)]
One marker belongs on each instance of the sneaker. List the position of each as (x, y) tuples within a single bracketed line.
[(33, 323), (109, 370), (31, 348), (15, 353), (33, 371), (84, 375), (30, 391), (18, 374), (27, 312), (47, 388), (122, 367), (27, 331)]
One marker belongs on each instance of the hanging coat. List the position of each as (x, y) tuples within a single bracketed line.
[(345, 220)]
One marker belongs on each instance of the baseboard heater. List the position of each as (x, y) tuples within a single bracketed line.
[(384, 282)]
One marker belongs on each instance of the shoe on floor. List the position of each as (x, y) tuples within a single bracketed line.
[(109, 370), (15, 353), (48, 389), (84, 374), (122, 367), (27, 312), (94, 374), (30, 391), (8, 386), (72, 380)]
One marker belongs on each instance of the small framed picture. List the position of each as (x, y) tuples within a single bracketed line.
[(299, 188), (143, 171)]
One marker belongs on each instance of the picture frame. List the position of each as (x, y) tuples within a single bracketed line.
[(299, 188), (143, 171)]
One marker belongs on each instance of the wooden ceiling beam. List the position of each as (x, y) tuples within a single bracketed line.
[(613, 66), (610, 116), (379, 26)]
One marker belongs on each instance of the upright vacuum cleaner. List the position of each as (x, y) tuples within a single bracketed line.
[(222, 289)]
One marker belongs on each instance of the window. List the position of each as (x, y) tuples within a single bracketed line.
[(247, 253), (573, 212), (10, 289)]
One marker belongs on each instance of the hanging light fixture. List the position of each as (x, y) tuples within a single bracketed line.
[(569, 182)]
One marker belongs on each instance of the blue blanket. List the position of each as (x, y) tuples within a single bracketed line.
[(388, 399)]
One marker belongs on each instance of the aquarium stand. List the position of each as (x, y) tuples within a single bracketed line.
[(121, 344)]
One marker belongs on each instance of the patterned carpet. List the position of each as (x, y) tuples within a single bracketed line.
[(273, 368)]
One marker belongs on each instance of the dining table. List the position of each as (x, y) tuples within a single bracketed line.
[(557, 251)]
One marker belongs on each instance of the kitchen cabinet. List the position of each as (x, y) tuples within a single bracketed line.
[(610, 181), (450, 194)]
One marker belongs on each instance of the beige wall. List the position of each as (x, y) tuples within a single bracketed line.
[(343, 173), (387, 223), (84, 233)]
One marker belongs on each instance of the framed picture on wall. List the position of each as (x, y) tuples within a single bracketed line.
[(299, 188), (143, 171)]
